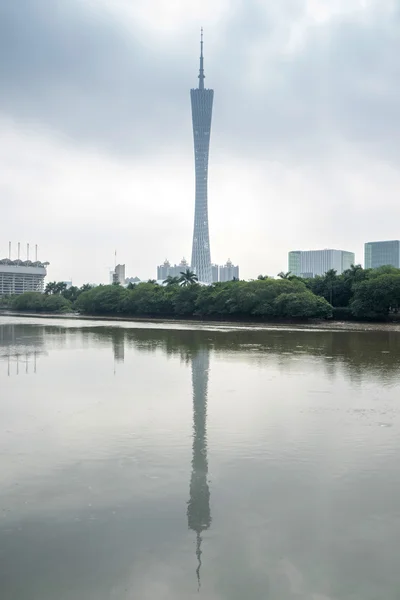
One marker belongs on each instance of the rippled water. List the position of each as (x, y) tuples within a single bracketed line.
[(155, 461)]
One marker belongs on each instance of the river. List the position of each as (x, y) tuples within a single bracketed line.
[(179, 461)]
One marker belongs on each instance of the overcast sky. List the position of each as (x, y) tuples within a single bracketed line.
[(96, 142)]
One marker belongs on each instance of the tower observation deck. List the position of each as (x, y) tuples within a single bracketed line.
[(202, 102)]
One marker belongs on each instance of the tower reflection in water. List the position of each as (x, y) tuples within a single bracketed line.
[(198, 510)]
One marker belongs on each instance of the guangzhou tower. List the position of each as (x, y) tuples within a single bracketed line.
[(202, 101)]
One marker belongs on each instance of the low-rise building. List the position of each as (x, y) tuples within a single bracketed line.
[(17, 276)]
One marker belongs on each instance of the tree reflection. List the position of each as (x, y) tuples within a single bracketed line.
[(356, 354)]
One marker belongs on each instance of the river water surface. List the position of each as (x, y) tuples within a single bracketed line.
[(170, 461)]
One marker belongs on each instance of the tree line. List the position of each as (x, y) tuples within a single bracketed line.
[(357, 293)]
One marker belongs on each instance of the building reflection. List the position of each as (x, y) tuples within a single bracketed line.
[(198, 510), (118, 344), (19, 349)]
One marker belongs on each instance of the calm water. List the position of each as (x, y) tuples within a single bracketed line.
[(144, 461)]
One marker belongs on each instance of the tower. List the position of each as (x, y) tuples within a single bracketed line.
[(202, 101)]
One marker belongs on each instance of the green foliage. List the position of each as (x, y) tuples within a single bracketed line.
[(267, 298), (377, 297), (31, 301), (172, 280), (36, 302), (56, 303), (304, 305), (360, 293), (6, 302), (103, 299), (188, 277), (71, 293), (338, 289), (54, 287)]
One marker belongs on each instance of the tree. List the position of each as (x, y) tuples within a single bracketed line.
[(262, 277), (102, 300), (55, 287), (56, 303), (283, 275), (51, 288), (376, 297), (37, 302), (188, 277), (330, 277), (71, 293), (61, 286), (171, 280), (30, 301), (303, 306)]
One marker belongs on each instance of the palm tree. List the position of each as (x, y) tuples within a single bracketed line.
[(61, 286), (283, 275), (51, 288), (330, 278), (188, 277), (262, 277), (86, 287), (171, 280)]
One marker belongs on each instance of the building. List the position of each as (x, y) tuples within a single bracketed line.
[(229, 271), (133, 280), (379, 254), (215, 273), (202, 102), (167, 270), (310, 263), (17, 276), (163, 270), (118, 275)]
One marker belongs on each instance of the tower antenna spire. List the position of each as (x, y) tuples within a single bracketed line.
[(201, 72)]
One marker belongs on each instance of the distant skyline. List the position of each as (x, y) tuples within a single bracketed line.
[(97, 140)]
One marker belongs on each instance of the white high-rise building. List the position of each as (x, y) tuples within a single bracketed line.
[(118, 275), (229, 271), (167, 270), (381, 254), (215, 273), (310, 263)]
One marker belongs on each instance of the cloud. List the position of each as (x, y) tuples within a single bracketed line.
[(290, 78), (96, 129)]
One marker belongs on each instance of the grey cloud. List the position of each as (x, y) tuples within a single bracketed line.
[(81, 73)]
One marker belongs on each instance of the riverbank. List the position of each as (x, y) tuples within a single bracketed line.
[(330, 325)]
